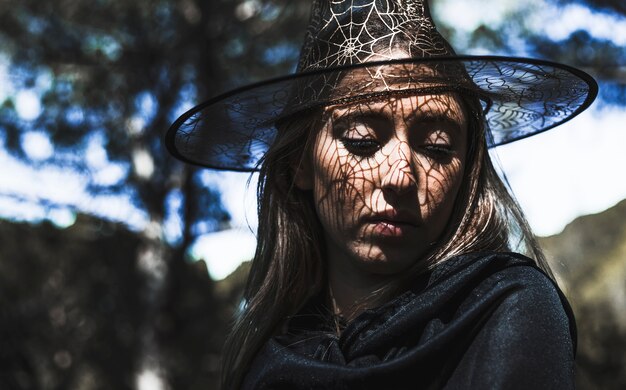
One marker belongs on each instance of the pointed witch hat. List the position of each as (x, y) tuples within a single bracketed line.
[(396, 45)]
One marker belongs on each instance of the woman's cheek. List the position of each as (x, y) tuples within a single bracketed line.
[(438, 187)]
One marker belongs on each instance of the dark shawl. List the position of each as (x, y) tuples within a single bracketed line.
[(479, 321)]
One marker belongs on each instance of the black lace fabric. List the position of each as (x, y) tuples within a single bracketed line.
[(384, 48)]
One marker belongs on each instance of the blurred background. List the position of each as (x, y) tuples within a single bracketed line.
[(120, 268)]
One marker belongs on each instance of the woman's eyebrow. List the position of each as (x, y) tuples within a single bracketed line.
[(369, 115), (433, 116), (354, 116)]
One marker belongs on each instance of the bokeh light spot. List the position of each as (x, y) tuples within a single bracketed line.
[(27, 105), (37, 145)]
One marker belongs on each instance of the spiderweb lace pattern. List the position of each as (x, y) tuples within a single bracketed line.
[(349, 32), (357, 50)]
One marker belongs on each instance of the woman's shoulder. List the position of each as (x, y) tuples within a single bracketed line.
[(485, 264), (514, 278), (502, 279), (526, 324), (505, 274)]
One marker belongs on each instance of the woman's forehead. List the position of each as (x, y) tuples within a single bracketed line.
[(440, 106), (397, 78)]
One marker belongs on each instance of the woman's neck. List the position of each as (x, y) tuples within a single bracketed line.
[(351, 290)]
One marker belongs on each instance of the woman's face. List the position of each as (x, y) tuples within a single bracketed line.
[(385, 176)]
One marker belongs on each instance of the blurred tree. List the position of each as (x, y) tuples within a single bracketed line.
[(117, 73), (69, 309), (112, 75)]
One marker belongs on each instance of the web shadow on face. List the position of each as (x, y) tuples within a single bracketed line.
[(386, 174)]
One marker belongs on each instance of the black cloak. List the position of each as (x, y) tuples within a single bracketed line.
[(476, 321)]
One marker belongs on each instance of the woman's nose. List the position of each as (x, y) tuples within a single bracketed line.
[(399, 176)]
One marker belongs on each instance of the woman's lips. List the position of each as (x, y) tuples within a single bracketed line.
[(392, 224), (392, 228)]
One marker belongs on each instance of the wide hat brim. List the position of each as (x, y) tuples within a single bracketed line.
[(520, 97)]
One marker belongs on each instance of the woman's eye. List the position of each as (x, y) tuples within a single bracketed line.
[(438, 151), (361, 146)]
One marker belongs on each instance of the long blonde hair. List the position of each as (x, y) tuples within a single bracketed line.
[(289, 267)]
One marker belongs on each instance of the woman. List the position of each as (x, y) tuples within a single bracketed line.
[(384, 256)]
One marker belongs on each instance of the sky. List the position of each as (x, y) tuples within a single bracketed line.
[(540, 16), (573, 170)]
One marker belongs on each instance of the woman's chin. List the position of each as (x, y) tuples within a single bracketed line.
[(387, 259)]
